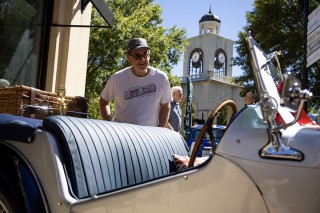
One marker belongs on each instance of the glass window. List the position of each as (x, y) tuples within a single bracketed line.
[(21, 32), (217, 133)]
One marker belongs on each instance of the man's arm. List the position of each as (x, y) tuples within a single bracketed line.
[(105, 109), (164, 114)]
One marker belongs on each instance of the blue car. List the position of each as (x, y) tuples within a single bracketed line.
[(206, 146), (315, 118)]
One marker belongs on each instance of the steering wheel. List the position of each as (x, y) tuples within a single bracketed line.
[(208, 124)]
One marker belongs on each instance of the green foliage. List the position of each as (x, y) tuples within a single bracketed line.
[(222, 117), (93, 106), (277, 25), (132, 18), (174, 80)]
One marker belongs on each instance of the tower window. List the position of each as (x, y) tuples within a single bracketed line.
[(220, 62), (196, 63), (210, 28)]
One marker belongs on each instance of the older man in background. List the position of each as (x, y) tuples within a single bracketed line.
[(249, 99)]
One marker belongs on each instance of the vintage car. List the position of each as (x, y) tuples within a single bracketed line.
[(209, 140), (261, 164)]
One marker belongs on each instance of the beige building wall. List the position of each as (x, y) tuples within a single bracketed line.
[(67, 58), (208, 93)]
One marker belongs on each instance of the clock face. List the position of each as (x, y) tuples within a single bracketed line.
[(221, 58), (195, 57)]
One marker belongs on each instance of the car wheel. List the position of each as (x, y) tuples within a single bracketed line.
[(8, 202)]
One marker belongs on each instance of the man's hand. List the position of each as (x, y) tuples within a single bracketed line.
[(105, 109)]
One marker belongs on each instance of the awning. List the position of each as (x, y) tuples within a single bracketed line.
[(102, 8)]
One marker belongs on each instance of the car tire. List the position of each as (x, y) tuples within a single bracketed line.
[(11, 198), (8, 201)]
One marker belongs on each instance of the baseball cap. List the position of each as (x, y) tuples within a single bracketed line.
[(136, 43)]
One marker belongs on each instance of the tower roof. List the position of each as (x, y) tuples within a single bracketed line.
[(210, 17)]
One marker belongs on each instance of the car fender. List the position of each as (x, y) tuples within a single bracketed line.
[(218, 184)]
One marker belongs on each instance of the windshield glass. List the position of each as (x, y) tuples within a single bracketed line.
[(275, 73), (268, 62), (267, 78)]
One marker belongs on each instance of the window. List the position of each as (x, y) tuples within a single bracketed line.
[(196, 63), (21, 41), (220, 62)]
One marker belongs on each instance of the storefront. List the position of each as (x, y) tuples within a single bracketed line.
[(45, 43)]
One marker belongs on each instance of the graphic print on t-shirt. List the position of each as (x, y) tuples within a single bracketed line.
[(140, 91)]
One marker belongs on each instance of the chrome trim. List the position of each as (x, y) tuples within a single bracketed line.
[(280, 152)]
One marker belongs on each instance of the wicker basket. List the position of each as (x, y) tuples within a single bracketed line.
[(19, 100)]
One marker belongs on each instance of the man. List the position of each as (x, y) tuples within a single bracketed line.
[(249, 99), (141, 92), (174, 122)]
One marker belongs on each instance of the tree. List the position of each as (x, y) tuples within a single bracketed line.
[(133, 18), (277, 25)]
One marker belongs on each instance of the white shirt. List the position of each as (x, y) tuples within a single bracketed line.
[(137, 99)]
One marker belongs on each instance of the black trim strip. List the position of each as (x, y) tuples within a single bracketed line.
[(75, 25)]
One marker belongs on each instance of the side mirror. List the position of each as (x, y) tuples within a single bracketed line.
[(290, 92)]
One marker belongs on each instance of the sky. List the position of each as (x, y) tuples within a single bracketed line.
[(187, 13)]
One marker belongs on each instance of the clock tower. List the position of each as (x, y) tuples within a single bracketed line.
[(208, 62), (209, 53)]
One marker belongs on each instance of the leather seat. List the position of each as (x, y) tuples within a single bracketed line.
[(102, 156)]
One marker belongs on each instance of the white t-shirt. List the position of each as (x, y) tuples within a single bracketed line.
[(137, 99)]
